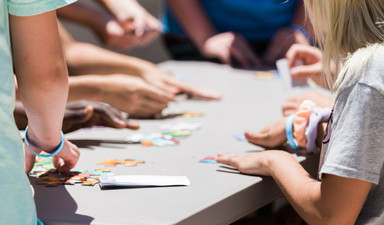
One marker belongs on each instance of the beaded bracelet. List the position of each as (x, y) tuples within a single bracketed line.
[(288, 132), (49, 155)]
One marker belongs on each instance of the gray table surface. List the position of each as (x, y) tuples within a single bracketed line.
[(216, 195)]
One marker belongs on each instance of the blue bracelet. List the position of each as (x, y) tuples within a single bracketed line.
[(301, 30), (49, 155), (288, 131)]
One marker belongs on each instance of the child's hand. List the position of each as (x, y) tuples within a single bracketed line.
[(311, 59), (271, 136), (67, 158), (64, 161), (227, 46), (253, 163), (79, 114)]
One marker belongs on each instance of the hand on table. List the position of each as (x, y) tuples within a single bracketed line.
[(271, 136), (81, 114), (252, 163), (291, 105), (168, 83), (64, 161), (227, 46), (133, 95)]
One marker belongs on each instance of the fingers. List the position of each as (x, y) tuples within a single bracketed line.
[(194, 90), (67, 158), (157, 94), (112, 117), (271, 136), (303, 72), (228, 159), (74, 118)]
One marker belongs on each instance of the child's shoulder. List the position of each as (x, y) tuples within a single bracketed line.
[(373, 74), (365, 66)]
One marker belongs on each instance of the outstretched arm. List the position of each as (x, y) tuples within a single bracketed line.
[(334, 200), (43, 84)]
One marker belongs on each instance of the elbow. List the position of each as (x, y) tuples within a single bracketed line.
[(54, 77), (331, 219)]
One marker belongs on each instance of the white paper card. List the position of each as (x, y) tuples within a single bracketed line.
[(284, 71), (143, 181)]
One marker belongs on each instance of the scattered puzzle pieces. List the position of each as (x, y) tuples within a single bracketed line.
[(181, 127), (158, 139), (208, 159), (114, 162), (47, 175), (53, 178)]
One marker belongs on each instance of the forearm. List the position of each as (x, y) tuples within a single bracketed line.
[(311, 200), (193, 19), (87, 87), (41, 75), (83, 58), (302, 191), (84, 15)]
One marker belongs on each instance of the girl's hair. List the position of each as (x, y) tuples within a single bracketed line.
[(348, 31)]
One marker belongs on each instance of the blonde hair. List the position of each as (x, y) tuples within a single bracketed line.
[(347, 31)]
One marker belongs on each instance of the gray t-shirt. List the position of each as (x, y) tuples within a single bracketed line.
[(354, 143)]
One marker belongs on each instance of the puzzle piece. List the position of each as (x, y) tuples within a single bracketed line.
[(192, 114), (240, 137), (114, 162), (208, 159)]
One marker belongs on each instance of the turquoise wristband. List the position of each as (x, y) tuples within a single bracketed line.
[(288, 132), (49, 155)]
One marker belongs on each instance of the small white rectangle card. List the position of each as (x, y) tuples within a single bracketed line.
[(143, 181), (284, 71)]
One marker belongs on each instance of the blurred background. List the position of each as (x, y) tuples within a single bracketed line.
[(153, 52)]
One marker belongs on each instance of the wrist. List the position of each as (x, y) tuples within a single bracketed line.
[(275, 159), (37, 145)]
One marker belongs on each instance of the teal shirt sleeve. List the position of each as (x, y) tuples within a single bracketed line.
[(34, 7)]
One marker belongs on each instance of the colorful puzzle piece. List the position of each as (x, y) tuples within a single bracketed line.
[(180, 127), (158, 139), (208, 159), (240, 137), (114, 162), (192, 114), (53, 178)]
